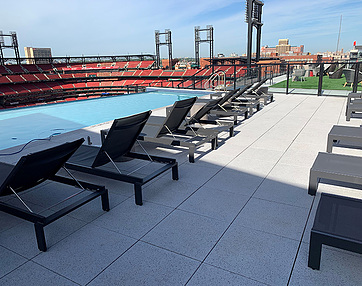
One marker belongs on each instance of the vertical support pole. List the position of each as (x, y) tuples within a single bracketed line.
[(258, 40), (169, 50), (1, 55), (250, 32), (320, 83), (211, 46), (15, 47), (234, 76), (287, 89), (355, 79), (197, 46), (157, 41)]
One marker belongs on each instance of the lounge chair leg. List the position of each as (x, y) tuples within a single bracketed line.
[(235, 120), (231, 131), (251, 111), (105, 201), (214, 143), (313, 184), (191, 154), (40, 237), (315, 251), (138, 194), (175, 172)]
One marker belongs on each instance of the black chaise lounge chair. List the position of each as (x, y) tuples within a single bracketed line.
[(32, 170), (338, 224), (225, 109), (166, 130), (260, 93), (236, 99), (115, 160), (196, 121)]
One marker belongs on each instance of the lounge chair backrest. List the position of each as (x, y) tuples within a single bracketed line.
[(35, 168), (204, 110), (121, 137), (259, 84), (176, 116), (229, 95), (240, 92)]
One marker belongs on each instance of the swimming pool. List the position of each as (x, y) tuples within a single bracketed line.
[(19, 126)]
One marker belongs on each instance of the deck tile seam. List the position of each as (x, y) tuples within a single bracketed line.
[(305, 228), (228, 227)]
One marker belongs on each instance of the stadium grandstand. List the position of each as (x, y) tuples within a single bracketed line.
[(71, 78)]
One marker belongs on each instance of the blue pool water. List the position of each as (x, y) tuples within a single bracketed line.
[(19, 126)]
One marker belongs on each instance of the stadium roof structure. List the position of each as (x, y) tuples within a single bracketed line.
[(87, 59)]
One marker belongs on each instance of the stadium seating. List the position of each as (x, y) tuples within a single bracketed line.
[(60, 80), (3, 70), (15, 68), (4, 79), (29, 77), (41, 76), (16, 78), (146, 64), (31, 68), (133, 64), (93, 84)]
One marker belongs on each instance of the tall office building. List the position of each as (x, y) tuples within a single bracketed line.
[(37, 55)]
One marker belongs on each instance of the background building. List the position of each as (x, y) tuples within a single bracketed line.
[(283, 48), (37, 55), (356, 53)]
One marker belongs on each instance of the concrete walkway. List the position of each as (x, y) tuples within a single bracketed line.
[(240, 215)]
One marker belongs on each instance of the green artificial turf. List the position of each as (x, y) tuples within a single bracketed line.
[(312, 83)]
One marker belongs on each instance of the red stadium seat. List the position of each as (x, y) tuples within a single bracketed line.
[(31, 68), (4, 79), (15, 68), (29, 77), (16, 78)]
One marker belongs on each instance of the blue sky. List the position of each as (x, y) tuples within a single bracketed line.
[(92, 27)]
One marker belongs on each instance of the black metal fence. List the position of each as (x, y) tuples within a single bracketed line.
[(350, 71)]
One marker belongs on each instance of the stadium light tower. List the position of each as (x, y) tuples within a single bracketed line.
[(253, 11), (209, 39), (167, 42), (14, 45)]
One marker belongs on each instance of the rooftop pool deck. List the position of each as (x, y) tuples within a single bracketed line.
[(240, 215)]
